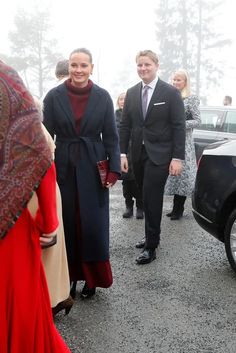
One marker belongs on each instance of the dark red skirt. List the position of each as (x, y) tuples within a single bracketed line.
[(96, 274)]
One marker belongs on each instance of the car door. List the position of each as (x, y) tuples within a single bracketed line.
[(228, 128), (211, 122)]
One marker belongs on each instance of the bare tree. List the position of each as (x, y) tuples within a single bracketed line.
[(188, 38), (33, 52)]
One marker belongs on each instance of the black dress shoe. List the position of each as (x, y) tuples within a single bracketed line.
[(177, 215), (139, 213), (146, 256), (128, 213), (140, 244), (169, 214), (87, 292)]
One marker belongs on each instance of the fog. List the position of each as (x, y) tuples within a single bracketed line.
[(115, 31)]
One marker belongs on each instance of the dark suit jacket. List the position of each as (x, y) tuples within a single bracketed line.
[(162, 131)]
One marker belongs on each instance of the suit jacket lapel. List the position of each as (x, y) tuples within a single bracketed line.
[(137, 101), (155, 96)]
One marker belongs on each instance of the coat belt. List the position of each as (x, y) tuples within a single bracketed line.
[(73, 147)]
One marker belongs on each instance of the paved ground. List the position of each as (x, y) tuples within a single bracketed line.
[(183, 302)]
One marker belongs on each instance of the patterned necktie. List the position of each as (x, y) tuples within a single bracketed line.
[(144, 100)]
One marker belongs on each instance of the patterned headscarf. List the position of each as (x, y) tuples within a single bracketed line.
[(24, 152)]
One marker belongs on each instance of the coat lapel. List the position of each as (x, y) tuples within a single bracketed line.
[(91, 106), (64, 103)]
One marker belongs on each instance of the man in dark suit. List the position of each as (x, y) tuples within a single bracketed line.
[(154, 120)]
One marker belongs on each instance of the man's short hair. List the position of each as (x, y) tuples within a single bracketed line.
[(153, 56), (62, 68), (228, 99)]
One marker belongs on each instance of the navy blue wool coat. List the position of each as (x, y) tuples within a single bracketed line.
[(85, 202)]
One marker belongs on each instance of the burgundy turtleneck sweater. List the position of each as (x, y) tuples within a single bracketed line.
[(78, 98)]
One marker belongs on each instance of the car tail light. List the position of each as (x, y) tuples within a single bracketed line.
[(198, 161)]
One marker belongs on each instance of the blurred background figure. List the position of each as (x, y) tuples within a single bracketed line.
[(61, 73), (182, 185), (81, 115), (118, 112), (227, 100), (131, 191), (26, 165), (62, 70)]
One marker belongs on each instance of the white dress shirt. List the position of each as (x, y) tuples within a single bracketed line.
[(151, 86)]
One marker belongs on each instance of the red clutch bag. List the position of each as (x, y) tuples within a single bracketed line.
[(103, 169)]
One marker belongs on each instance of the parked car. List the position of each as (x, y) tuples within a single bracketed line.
[(214, 196), (218, 123)]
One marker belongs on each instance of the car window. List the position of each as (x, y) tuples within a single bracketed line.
[(230, 122), (210, 120)]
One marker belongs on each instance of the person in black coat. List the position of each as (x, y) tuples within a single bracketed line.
[(81, 116), (130, 187), (154, 120)]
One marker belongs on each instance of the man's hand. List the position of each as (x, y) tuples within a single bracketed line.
[(124, 164), (175, 167)]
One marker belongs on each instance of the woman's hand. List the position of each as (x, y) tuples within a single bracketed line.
[(47, 239), (175, 167)]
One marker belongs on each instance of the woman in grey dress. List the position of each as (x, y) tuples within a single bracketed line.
[(182, 185)]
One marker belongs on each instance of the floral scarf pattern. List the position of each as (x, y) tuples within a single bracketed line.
[(24, 153)]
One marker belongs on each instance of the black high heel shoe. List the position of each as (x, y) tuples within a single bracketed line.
[(73, 289), (64, 305), (87, 292)]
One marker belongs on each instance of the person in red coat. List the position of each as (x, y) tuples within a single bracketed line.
[(25, 166), (81, 116)]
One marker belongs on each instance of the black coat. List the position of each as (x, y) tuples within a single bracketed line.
[(129, 175), (77, 174), (162, 131)]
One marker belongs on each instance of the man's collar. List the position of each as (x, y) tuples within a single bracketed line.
[(151, 84)]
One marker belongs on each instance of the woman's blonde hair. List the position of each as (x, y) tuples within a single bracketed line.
[(118, 99), (185, 92)]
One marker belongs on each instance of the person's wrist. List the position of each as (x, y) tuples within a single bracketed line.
[(123, 155)]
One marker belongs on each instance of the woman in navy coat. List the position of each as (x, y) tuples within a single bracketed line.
[(81, 116)]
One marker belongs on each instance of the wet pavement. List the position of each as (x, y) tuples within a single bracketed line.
[(183, 302)]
